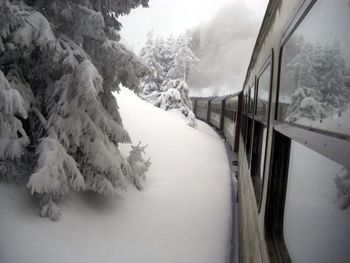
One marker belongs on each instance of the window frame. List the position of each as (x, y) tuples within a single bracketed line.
[(249, 122), (296, 131), (303, 11), (269, 62), (264, 123)]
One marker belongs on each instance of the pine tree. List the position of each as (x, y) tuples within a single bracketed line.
[(60, 126), (137, 165), (184, 59), (170, 61), (319, 77)]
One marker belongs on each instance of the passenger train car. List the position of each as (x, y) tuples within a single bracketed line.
[(216, 114), (202, 108), (223, 113), (294, 135), (232, 119)]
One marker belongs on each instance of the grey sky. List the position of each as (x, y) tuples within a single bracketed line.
[(226, 44), (228, 30)]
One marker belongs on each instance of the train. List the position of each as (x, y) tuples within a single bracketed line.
[(290, 128)]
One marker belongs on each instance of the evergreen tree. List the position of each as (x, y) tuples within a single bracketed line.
[(319, 75), (170, 61), (137, 165), (60, 126)]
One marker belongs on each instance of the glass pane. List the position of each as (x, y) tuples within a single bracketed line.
[(215, 106), (248, 138), (315, 70), (246, 103), (264, 84), (317, 211), (231, 103), (262, 158), (251, 100), (258, 157)]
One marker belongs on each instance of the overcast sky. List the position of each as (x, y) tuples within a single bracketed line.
[(228, 30), (167, 17)]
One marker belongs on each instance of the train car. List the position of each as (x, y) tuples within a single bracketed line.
[(194, 104), (294, 153), (203, 108), (216, 114), (231, 119)]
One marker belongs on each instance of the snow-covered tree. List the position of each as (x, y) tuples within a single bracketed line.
[(319, 75), (342, 182), (60, 126), (137, 165), (184, 59), (170, 61)]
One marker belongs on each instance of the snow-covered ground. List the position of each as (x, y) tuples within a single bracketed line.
[(183, 214)]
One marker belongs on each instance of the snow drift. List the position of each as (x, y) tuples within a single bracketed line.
[(182, 215)]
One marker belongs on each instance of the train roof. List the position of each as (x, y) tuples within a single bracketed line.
[(265, 26), (218, 97), (203, 98), (221, 98), (234, 94)]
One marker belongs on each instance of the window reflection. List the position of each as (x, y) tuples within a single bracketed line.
[(258, 158), (315, 70), (264, 93), (251, 100), (317, 212)]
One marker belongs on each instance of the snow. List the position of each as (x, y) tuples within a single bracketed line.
[(316, 226), (182, 215), (335, 123)]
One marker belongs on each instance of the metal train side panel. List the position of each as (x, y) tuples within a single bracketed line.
[(231, 120), (250, 238)]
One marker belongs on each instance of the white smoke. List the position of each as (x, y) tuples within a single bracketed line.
[(224, 46)]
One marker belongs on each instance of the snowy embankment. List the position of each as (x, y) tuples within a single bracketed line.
[(183, 214)]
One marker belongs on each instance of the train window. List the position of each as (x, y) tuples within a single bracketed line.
[(251, 100), (243, 124), (315, 70), (249, 122), (249, 138), (246, 102), (216, 106), (244, 116), (317, 208), (260, 132), (258, 158), (264, 84)]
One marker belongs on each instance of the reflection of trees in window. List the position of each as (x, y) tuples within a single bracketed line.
[(342, 181), (320, 79)]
